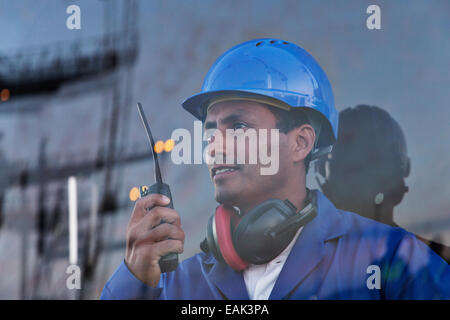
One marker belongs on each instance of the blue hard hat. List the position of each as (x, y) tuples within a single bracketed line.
[(275, 72)]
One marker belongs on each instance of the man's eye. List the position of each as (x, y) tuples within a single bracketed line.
[(208, 136), (239, 125)]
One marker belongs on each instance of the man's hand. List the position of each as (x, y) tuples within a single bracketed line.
[(148, 239)]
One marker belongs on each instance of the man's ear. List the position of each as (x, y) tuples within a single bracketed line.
[(302, 141)]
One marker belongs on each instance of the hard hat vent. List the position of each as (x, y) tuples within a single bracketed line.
[(270, 42)]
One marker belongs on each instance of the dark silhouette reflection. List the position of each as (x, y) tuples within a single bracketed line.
[(366, 171)]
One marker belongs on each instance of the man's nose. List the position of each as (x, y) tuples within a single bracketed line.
[(217, 144)]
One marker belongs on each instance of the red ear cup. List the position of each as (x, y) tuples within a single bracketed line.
[(223, 222)]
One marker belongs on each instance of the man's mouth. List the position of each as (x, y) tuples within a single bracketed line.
[(222, 170)]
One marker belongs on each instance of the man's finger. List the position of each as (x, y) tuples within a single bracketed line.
[(162, 232), (165, 247), (158, 215), (148, 201)]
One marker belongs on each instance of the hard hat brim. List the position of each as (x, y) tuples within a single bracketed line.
[(198, 104)]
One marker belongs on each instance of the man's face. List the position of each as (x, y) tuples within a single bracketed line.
[(243, 185)]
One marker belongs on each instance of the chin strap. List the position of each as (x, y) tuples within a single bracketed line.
[(204, 246), (317, 152)]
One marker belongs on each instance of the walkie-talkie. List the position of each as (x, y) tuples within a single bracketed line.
[(168, 262)]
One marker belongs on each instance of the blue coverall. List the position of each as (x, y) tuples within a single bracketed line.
[(333, 258)]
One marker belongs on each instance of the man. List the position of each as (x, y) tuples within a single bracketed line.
[(273, 84), (366, 171)]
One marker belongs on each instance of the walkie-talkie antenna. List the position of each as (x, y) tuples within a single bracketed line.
[(152, 143), (169, 262)]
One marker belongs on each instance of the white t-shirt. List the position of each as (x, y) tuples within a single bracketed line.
[(260, 279)]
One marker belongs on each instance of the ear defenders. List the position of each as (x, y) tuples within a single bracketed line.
[(257, 237)]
